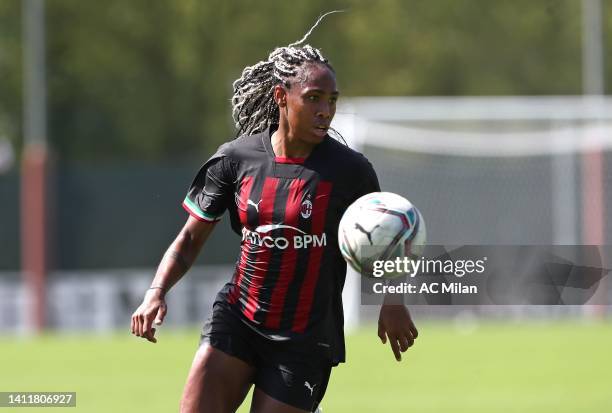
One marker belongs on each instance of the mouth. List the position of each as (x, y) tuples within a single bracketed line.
[(322, 129)]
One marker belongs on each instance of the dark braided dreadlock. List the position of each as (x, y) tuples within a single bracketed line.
[(253, 105)]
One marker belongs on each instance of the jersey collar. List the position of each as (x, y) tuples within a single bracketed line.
[(267, 142)]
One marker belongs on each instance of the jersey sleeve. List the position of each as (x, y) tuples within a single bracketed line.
[(211, 190), (369, 180)]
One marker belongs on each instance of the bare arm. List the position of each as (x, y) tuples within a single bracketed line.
[(182, 253), (179, 257)]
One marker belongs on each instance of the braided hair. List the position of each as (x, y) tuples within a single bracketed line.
[(253, 105)]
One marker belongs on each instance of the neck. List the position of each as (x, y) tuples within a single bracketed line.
[(286, 144)]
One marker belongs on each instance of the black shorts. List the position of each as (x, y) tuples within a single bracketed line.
[(293, 373)]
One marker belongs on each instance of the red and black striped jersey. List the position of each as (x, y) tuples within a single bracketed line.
[(289, 275)]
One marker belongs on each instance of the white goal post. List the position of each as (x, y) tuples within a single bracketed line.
[(489, 170)]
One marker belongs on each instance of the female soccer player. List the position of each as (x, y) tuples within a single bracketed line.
[(278, 324)]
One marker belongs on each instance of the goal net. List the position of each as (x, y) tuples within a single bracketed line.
[(491, 171)]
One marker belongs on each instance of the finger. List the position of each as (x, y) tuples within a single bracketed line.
[(413, 330), (146, 331), (146, 325), (381, 333), (135, 322), (405, 342), (161, 314), (396, 349), (150, 335), (139, 325), (410, 338), (132, 324)]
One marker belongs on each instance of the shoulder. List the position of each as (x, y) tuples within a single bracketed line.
[(346, 156), (241, 147), (226, 160), (352, 167)]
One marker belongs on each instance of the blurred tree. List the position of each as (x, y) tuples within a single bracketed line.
[(10, 70), (152, 80)]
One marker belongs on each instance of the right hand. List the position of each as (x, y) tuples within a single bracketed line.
[(152, 309)]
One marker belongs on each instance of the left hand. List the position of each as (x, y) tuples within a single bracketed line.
[(396, 324)]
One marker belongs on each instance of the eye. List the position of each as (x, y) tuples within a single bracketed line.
[(333, 100), (313, 98)]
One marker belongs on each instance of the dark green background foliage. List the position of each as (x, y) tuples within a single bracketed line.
[(152, 79)]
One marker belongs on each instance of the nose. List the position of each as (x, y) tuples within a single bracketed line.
[(325, 111)]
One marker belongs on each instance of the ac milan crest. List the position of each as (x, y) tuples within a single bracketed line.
[(306, 209)]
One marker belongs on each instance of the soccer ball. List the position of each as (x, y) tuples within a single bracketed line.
[(380, 226)]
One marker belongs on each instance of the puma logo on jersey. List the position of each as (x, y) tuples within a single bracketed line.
[(256, 205), (310, 387), (240, 203)]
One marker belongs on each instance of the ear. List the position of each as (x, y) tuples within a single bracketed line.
[(280, 96)]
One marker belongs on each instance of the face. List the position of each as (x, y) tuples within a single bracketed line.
[(308, 106)]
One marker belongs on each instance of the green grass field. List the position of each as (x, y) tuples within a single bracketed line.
[(527, 367)]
